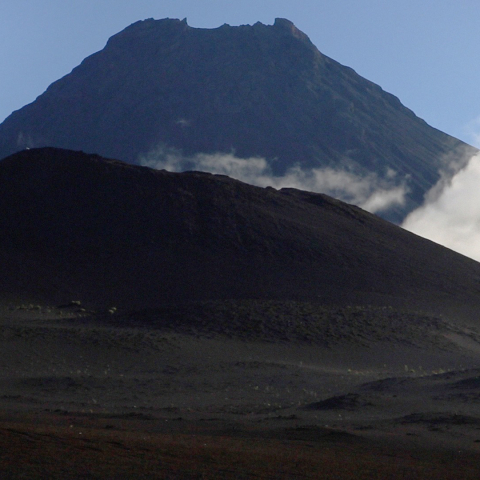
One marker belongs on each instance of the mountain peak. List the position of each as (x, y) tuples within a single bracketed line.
[(150, 23), (167, 25), (287, 25), (150, 29)]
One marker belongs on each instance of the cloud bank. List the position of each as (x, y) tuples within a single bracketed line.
[(451, 213), (369, 192)]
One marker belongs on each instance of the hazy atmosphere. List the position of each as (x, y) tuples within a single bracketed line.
[(422, 52)]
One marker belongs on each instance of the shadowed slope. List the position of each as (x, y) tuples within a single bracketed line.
[(76, 225)]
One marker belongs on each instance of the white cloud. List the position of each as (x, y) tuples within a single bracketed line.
[(369, 192), (381, 199), (451, 213)]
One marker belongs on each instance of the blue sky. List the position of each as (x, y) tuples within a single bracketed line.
[(423, 51)]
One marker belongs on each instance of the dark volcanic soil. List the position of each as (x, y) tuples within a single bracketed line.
[(104, 393), (76, 226)]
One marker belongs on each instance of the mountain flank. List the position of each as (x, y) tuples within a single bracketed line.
[(110, 233), (257, 91), (190, 316)]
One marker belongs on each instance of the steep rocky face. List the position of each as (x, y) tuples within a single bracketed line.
[(258, 91), (106, 232)]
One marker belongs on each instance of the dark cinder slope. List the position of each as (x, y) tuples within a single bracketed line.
[(105, 232), (255, 90)]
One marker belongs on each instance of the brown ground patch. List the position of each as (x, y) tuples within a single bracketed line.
[(91, 448)]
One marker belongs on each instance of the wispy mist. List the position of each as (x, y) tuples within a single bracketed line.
[(370, 192), (451, 213)]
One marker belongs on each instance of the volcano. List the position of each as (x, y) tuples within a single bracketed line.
[(260, 91)]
